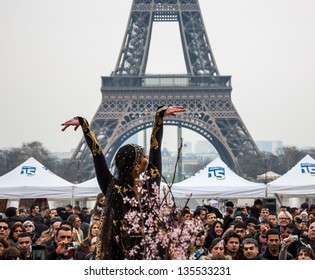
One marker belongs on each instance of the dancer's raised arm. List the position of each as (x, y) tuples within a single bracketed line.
[(102, 172)]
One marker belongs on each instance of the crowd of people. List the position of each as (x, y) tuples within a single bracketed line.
[(63, 233), (256, 233), (240, 233)]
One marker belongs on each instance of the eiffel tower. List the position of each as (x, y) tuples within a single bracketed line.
[(130, 97)]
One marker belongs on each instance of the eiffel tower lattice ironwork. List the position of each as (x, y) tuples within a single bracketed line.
[(130, 97)]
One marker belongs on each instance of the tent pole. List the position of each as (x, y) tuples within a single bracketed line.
[(72, 196)]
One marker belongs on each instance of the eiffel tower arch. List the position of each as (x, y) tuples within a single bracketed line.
[(130, 97)]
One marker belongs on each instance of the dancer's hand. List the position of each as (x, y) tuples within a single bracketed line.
[(73, 122), (173, 110)]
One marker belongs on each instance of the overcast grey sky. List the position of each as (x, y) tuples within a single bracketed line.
[(53, 53)]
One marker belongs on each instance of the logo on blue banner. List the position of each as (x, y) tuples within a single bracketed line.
[(28, 170), (308, 168), (216, 172)]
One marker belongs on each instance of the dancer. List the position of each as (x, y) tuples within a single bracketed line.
[(129, 163)]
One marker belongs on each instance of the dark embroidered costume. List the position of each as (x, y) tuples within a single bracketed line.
[(114, 242)]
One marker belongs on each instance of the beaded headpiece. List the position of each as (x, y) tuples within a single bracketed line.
[(126, 159)]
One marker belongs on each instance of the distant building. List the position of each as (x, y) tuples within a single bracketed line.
[(269, 146)]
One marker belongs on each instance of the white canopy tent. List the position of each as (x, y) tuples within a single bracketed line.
[(297, 182), (87, 189), (217, 180), (31, 179)]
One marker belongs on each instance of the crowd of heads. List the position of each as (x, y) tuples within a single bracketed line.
[(68, 232), (237, 233), (256, 232)]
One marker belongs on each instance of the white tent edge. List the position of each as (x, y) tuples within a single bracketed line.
[(39, 183)]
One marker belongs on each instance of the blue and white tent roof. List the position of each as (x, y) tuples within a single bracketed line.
[(31, 179), (298, 181), (218, 180)]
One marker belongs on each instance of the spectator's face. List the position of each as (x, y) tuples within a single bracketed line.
[(311, 216), (287, 232), (273, 242), (102, 200), (16, 232), (283, 220), (53, 213), (218, 229), (36, 210), (22, 214), (94, 230), (241, 232), (4, 230), (296, 212), (264, 228), (233, 245), (311, 231), (251, 229), (64, 236), (200, 238), (55, 226), (28, 228), (239, 218), (218, 250), (244, 211), (273, 219), (303, 255), (264, 213), (250, 251), (202, 215), (211, 218), (24, 244), (77, 222)]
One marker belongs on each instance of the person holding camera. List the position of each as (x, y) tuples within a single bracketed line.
[(300, 226), (64, 247)]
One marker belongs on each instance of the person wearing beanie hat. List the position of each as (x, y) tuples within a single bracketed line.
[(238, 216)]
